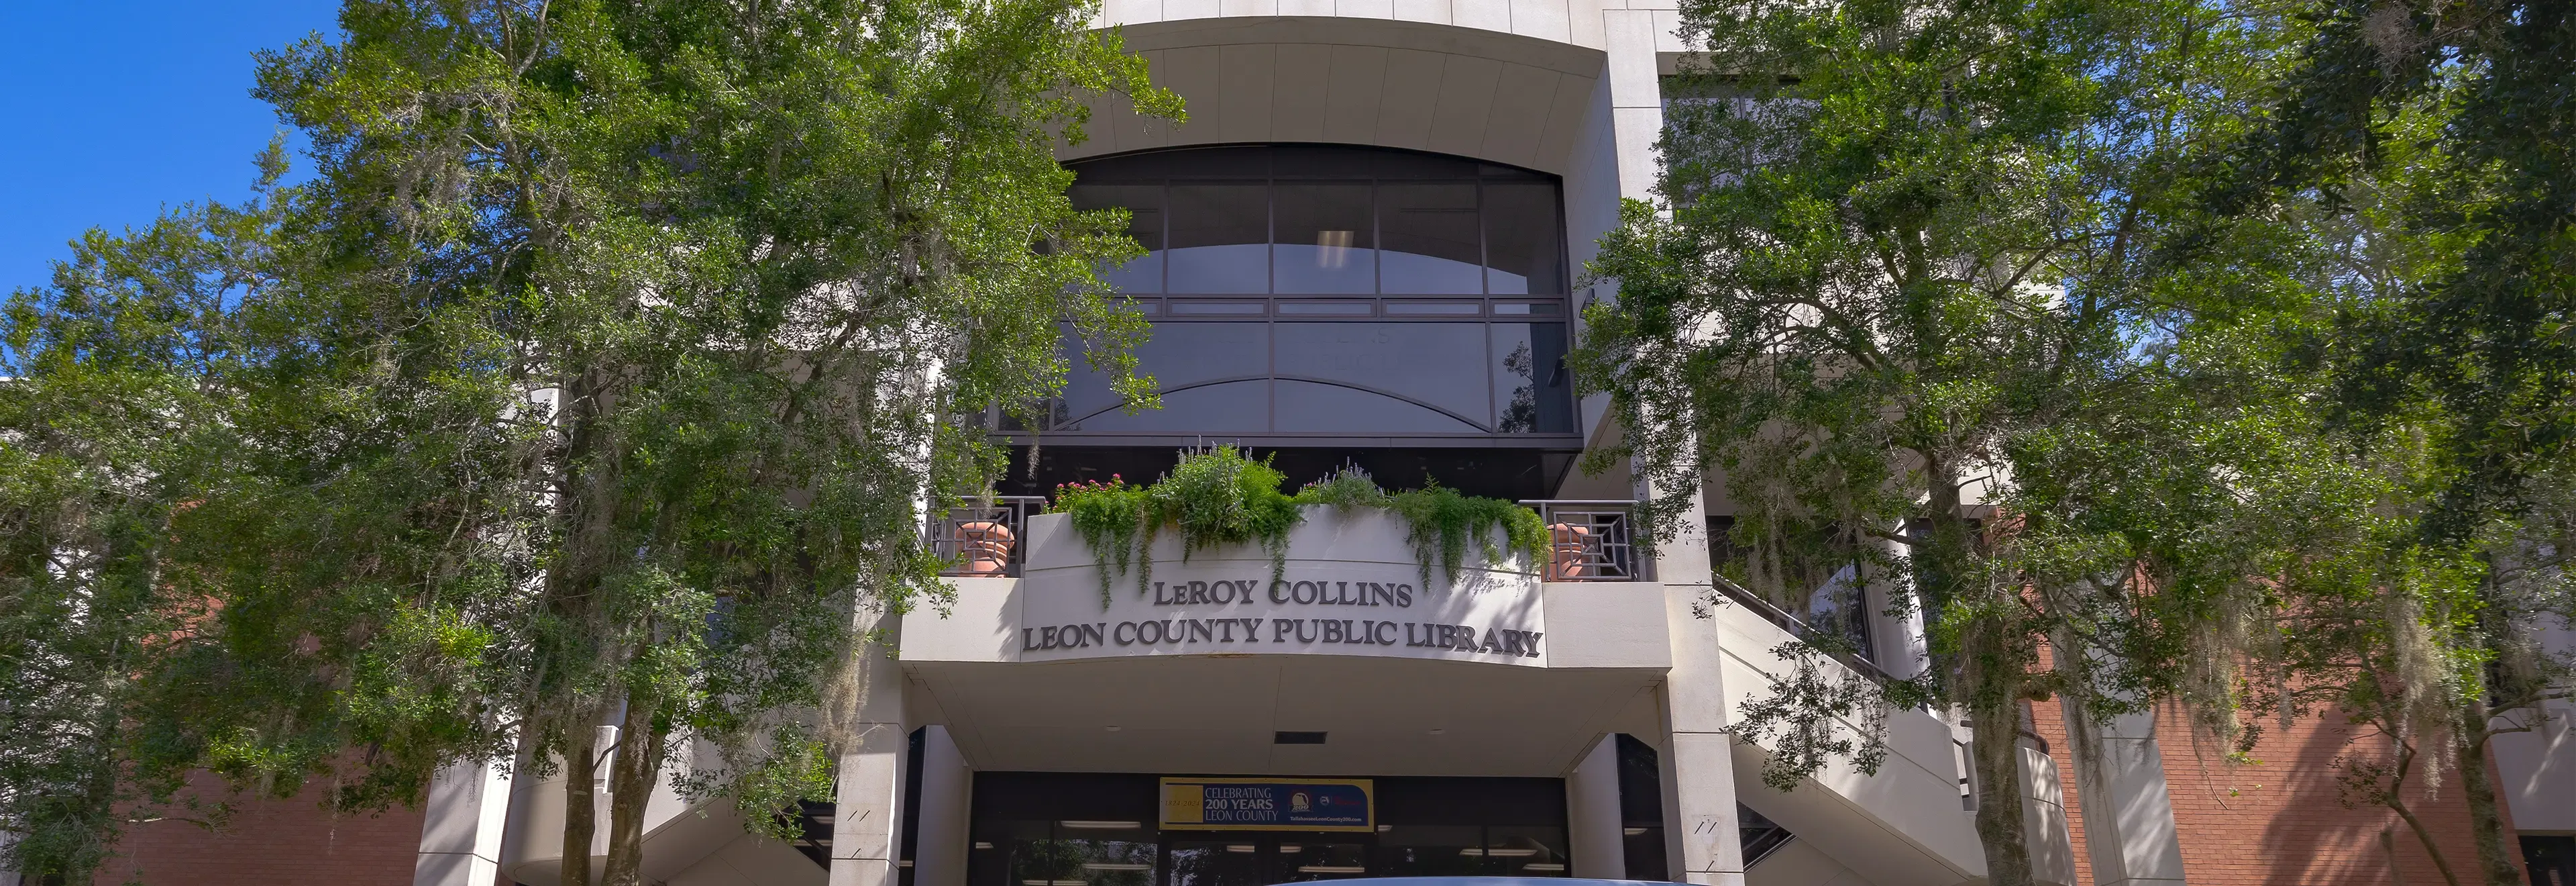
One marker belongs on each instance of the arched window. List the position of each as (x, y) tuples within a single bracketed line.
[(1321, 291)]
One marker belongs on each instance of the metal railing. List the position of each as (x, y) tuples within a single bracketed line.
[(982, 537), (1591, 541), (1816, 638)]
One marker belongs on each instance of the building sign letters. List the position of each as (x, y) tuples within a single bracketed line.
[(1359, 594), (1256, 630)]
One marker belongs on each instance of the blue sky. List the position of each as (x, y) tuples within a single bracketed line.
[(122, 106)]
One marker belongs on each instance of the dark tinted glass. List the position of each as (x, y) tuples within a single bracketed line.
[(1328, 289), (1522, 250), (1529, 376), (1429, 234), (1431, 851), (1178, 356), (1219, 238), (1325, 242), (1235, 862), (1309, 407), (1144, 205), (1436, 366), (1230, 407), (1525, 851), (1321, 858)]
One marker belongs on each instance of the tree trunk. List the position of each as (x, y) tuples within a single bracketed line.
[(2395, 800), (1997, 757), (1987, 676), (581, 817), (2486, 820), (630, 786)]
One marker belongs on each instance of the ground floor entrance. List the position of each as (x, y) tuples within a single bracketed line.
[(1084, 829)]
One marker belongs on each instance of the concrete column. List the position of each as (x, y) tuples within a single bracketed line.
[(1592, 814), (867, 824), (947, 800), (1699, 761), (2128, 816), (460, 837), (9, 877), (1700, 828), (1636, 96), (1903, 650), (2534, 768), (2043, 817)]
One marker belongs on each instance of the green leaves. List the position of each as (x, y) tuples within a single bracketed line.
[(1441, 524), (112, 415), (1902, 295), (1220, 496), (606, 358)]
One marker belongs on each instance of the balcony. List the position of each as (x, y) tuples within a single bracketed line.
[(1591, 541), (981, 538), (1197, 667)]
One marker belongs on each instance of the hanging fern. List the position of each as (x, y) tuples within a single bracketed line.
[(1109, 515), (1220, 496), (1440, 523), (1214, 497)]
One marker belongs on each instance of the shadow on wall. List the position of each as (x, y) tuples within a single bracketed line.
[(2308, 833), (270, 841)]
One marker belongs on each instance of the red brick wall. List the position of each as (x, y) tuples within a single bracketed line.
[(2280, 819), (272, 843)]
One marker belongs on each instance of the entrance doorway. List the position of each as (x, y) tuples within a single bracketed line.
[(1254, 859), (1081, 829)]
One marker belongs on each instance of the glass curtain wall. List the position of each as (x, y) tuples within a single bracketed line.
[(1316, 291)]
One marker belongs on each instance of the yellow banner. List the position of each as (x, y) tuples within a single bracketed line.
[(1269, 804)]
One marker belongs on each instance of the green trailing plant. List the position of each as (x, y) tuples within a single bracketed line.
[(1440, 522), (1221, 496), (1217, 496), (1108, 515)]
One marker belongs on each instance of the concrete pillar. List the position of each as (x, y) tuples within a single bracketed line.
[(8, 877), (947, 800), (1636, 96), (460, 836), (2128, 815), (2043, 817), (1699, 761), (867, 823), (1903, 650), (1700, 829), (1593, 820), (2534, 768)]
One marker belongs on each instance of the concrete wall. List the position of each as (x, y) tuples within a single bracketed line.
[(1904, 825), (2536, 770)]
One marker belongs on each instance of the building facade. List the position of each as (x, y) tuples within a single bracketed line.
[(1364, 250)]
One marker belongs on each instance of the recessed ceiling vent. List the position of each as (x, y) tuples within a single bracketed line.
[(1298, 738)]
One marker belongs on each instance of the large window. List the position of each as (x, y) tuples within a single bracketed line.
[(1332, 291)]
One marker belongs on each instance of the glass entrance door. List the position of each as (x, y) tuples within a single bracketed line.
[(1258, 859), (1332, 858), (1217, 862)]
